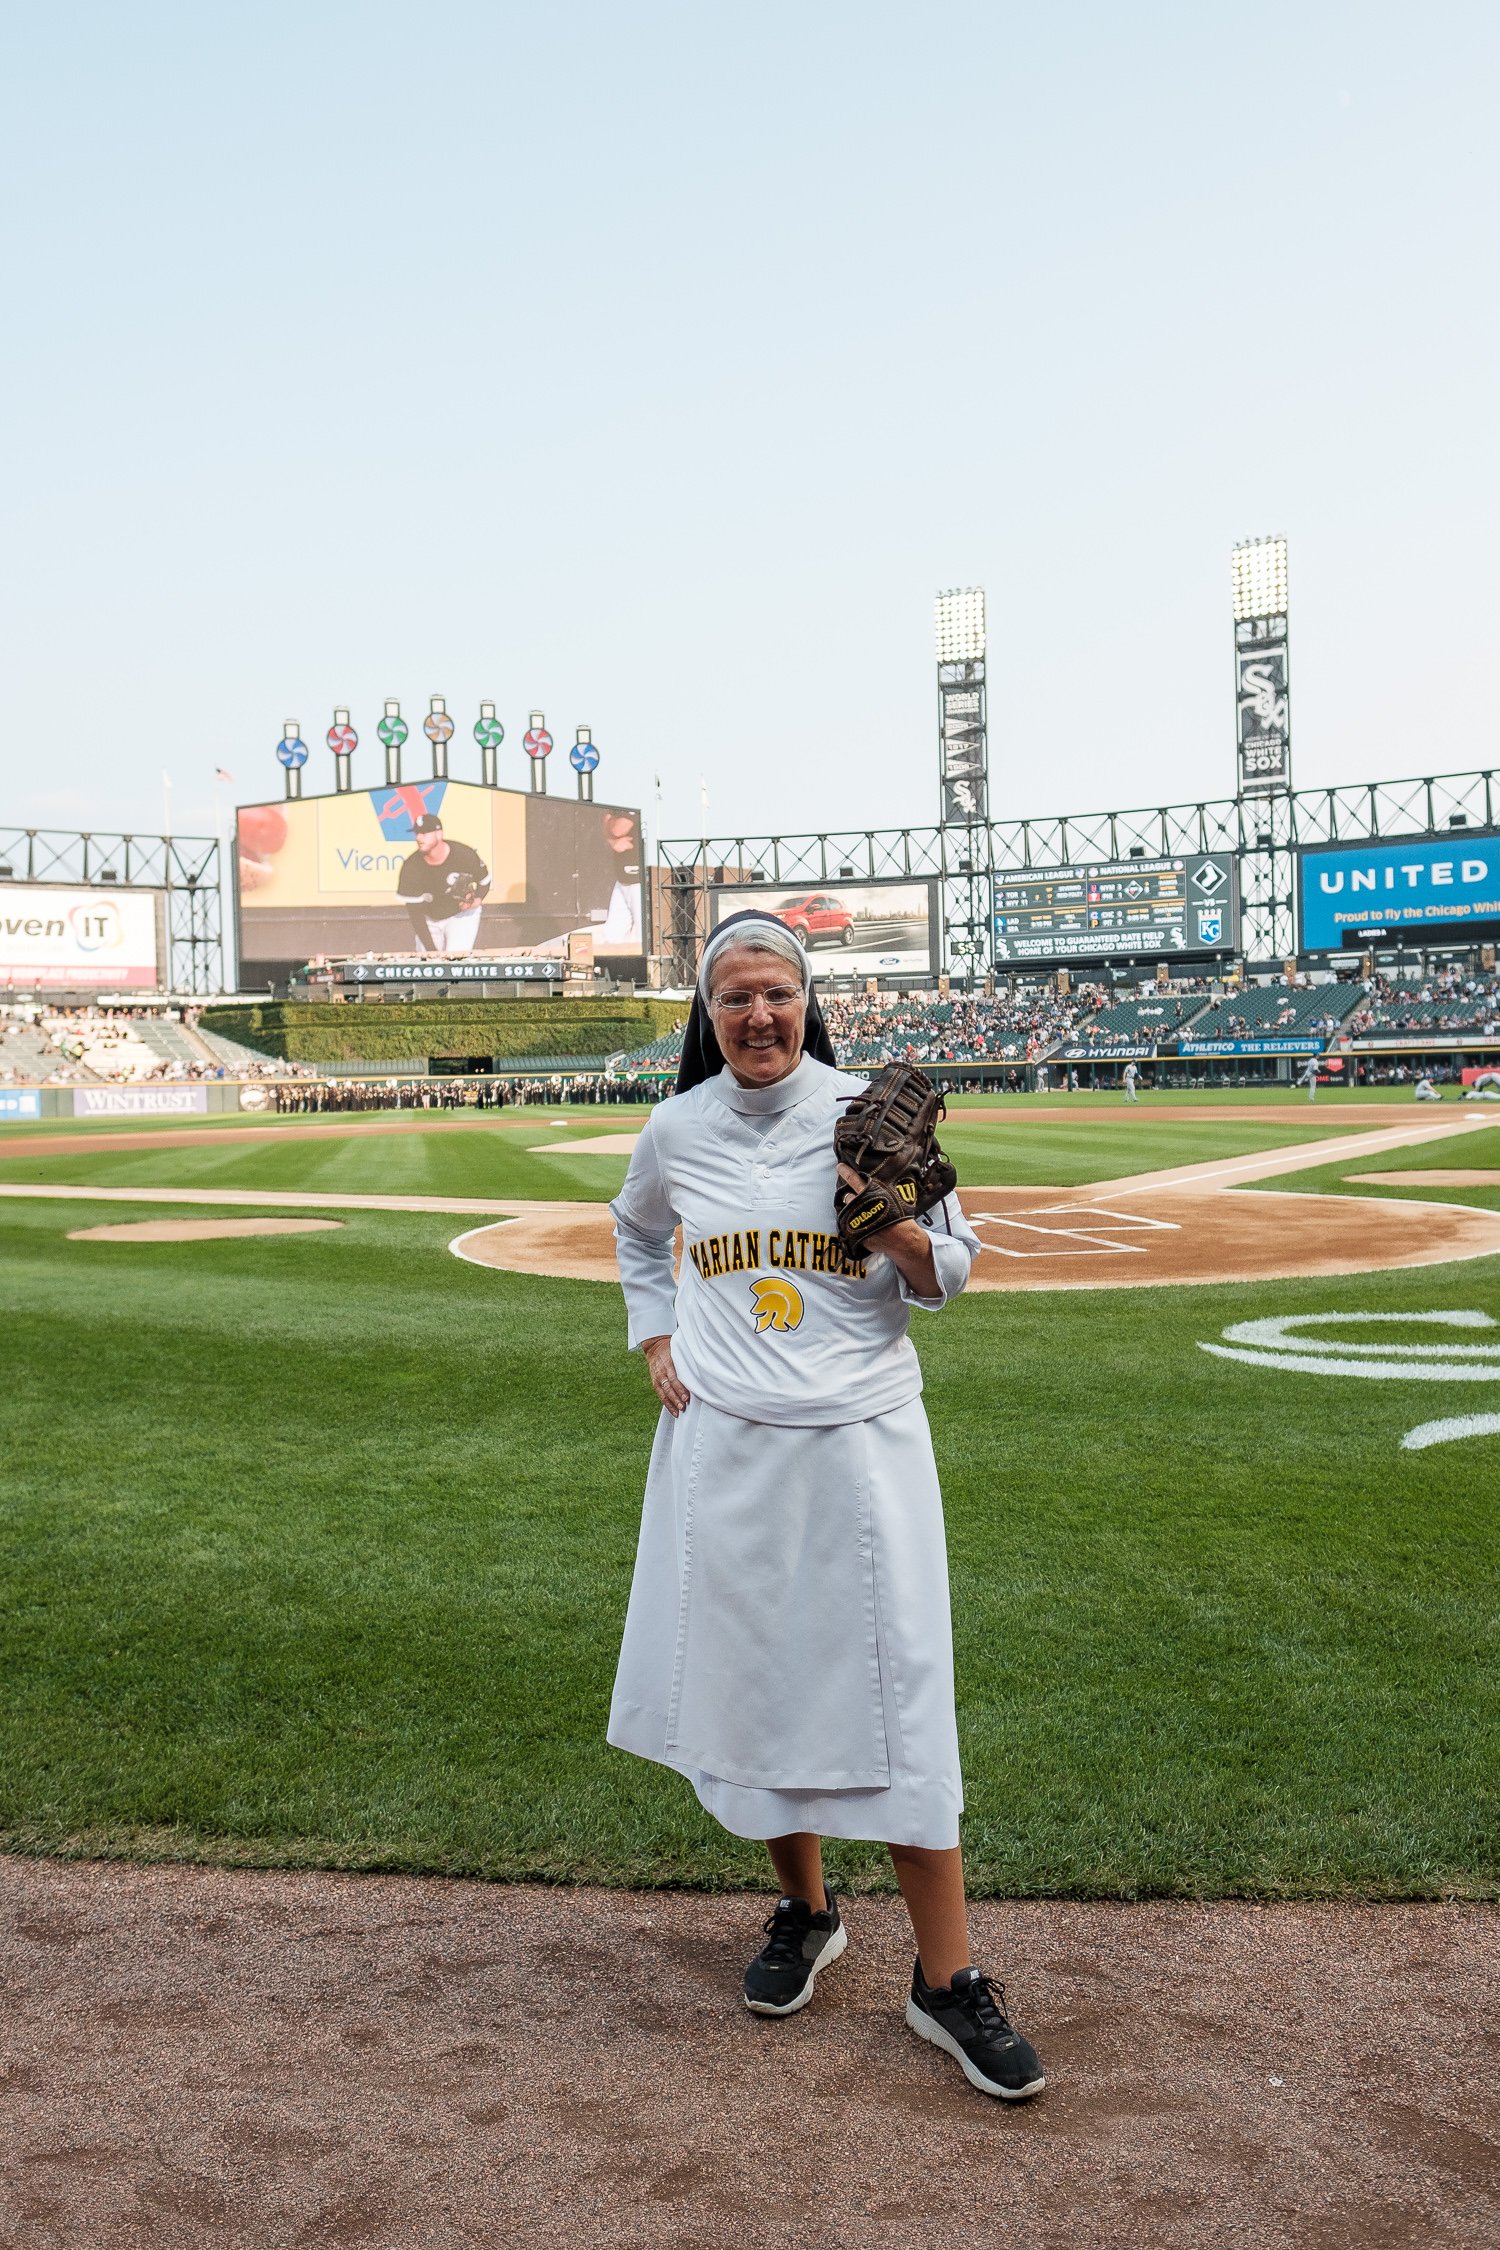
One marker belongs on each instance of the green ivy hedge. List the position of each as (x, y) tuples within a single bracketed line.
[(398, 1030)]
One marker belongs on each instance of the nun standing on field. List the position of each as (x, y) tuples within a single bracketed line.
[(788, 1645)]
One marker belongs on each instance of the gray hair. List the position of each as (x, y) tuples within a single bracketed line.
[(766, 936)]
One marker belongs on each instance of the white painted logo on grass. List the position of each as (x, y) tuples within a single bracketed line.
[(1284, 1343)]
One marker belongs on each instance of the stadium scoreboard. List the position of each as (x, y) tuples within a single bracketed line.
[(1185, 905)]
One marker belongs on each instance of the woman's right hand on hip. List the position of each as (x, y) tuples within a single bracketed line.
[(657, 1353)]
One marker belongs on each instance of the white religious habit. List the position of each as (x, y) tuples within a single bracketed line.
[(788, 1644)]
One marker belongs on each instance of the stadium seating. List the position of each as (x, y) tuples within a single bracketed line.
[(245, 1062), (664, 1053), (172, 1043), (874, 1028), (1278, 1011), (1134, 1023), (27, 1055), (1437, 1006)]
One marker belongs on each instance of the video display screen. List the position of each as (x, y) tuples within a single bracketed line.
[(440, 868), (1357, 894), (1130, 908), (849, 929), (83, 939)]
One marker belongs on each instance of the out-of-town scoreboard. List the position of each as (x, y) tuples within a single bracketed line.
[(1184, 907)]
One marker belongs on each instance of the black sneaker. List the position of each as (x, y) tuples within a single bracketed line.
[(967, 2020), (780, 1979)]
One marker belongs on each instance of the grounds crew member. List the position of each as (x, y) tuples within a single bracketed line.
[(788, 1645), (443, 885)]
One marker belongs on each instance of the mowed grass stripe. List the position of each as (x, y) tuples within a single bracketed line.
[(1055, 1152), (414, 1162), (1476, 1152), (316, 1551)]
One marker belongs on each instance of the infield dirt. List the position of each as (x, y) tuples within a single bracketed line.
[(197, 2056)]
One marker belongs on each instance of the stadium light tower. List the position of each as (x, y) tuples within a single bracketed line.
[(959, 618), (1262, 681), (963, 777), (1263, 733)]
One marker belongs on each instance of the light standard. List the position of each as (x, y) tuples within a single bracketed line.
[(583, 757), (343, 742), (489, 734), (392, 731), (963, 775), (537, 744), (438, 728), (292, 751)]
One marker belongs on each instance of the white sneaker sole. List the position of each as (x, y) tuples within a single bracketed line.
[(837, 1940), (924, 2027)]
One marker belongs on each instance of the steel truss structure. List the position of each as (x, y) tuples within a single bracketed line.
[(1264, 831), (185, 867)]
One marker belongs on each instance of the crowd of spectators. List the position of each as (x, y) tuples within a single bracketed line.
[(871, 1028), (1453, 1000), (93, 1045), (324, 1094), (1012, 1028)]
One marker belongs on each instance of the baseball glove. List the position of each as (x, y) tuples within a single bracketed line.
[(886, 1135), (469, 896)]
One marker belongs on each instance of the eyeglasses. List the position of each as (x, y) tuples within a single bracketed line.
[(740, 1003)]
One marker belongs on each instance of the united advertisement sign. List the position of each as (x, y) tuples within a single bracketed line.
[(1430, 888)]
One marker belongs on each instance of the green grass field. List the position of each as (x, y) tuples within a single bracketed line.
[(315, 1550), (1020, 1148)]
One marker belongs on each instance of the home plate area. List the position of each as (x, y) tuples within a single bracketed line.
[(1033, 1240), (1057, 1238)]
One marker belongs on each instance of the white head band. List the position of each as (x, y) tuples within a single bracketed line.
[(766, 936)]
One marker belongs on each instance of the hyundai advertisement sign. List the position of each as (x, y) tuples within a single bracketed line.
[(1443, 888)]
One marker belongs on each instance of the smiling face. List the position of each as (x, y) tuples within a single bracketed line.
[(759, 1012)]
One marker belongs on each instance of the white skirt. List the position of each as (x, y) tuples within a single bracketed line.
[(788, 1644)]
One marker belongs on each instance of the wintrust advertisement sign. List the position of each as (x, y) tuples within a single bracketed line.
[(140, 1101), (1437, 887), (62, 939)]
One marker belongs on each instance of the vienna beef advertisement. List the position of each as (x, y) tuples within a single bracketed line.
[(436, 867)]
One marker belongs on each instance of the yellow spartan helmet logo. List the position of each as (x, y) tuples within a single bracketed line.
[(778, 1304)]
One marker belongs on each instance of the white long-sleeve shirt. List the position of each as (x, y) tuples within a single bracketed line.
[(770, 1321)]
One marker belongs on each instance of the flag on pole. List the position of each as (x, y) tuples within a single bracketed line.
[(221, 775)]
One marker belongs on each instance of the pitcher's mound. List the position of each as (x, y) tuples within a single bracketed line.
[(197, 1230)]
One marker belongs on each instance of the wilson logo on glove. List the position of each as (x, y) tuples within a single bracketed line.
[(886, 1135)]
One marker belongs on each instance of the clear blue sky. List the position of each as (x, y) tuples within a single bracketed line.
[(654, 364)]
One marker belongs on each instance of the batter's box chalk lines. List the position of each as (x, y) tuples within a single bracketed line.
[(1073, 1242)]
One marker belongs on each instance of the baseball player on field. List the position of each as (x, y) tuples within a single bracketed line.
[(788, 1643), (443, 886), (1128, 1078)]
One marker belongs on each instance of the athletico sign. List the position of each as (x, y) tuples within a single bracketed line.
[(1250, 1047), (1435, 885)]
